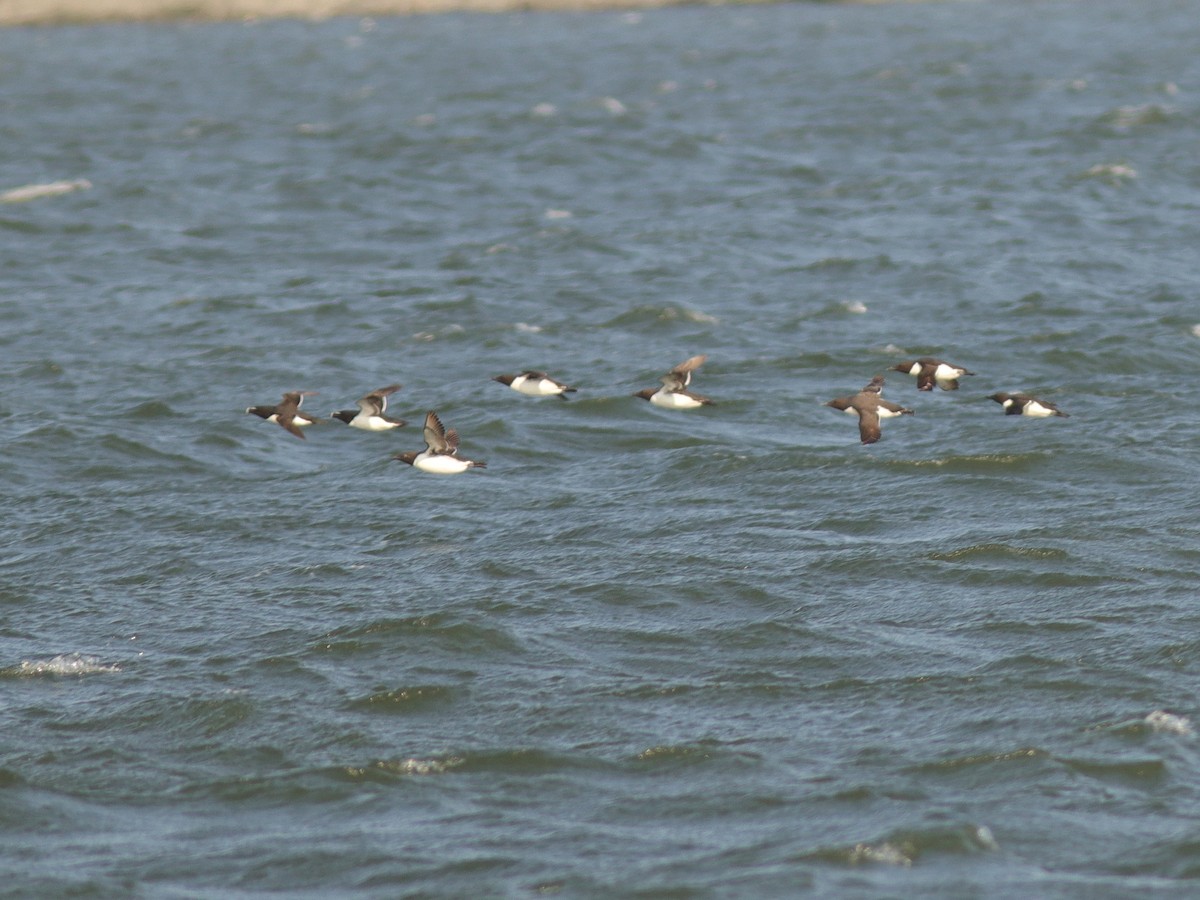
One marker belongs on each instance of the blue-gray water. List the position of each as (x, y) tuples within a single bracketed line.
[(721, 653)]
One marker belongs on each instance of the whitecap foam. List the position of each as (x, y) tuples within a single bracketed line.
[(699, 317), (984, 838), (1125, 118), (1112, 171), (410, 766), (65, 664), (29, 192), (1161, 720), (887, 853)]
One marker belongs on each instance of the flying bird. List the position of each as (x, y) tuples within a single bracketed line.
[(287, 413), (674, 393), (869, 405), (536, 384), (370, 413), (1024, 405), (440, 455), (930, 371)]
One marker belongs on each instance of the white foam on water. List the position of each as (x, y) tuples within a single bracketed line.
[(65, 664), (1116, 171), (1160, 720), (411, 766), (613, 105), (984, 837), (695, 315), (37, 191), (887, 853)]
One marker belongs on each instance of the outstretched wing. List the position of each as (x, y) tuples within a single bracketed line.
[(285, 413), (868, 426), (684, 370), (845, 404), (375, 403), (435, 433)]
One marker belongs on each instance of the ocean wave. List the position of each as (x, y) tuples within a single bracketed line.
[(1160, 720), (1126, 118), (975, 462), (658, 315), (526, 761), (1155, 722), (407, 767), (463, 636), (1133, 771), (691, 754), (151, 410), (975, 760), (1111, 173), (50, 189), (64, 665), (1000, 551), (405, 699), (905, 847)]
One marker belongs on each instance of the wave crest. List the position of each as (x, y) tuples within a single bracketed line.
[(62, 665)]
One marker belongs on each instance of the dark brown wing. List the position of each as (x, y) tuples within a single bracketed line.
[(375, 403), (675, 382), (285, 413), (842, 403), (868, 425), (435, 433), (288, 423), (298, 396), (684, 370)]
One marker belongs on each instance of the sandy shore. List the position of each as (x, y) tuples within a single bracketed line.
[(53, 12)]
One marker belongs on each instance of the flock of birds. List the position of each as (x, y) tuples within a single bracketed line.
[(440, 455), (870, 407)]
